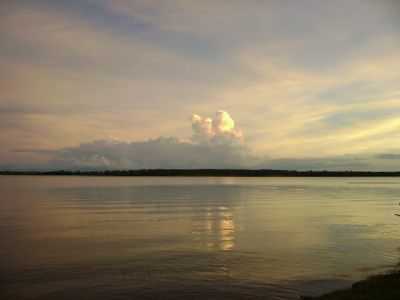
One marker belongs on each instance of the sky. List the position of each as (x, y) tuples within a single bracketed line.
[(193, 84)]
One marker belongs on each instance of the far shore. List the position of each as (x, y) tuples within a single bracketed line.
[(205, 173)]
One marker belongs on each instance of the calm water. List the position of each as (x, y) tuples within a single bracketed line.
[(199, 238)]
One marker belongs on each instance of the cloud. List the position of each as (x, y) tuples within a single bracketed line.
[(338, 163), (299, 93), (151, 154), (220, 130), (215, 143), (388, 156)]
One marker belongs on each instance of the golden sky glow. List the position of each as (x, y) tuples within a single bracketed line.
[(298, 82)]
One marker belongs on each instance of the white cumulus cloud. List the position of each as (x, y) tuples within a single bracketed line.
[(220, 130)]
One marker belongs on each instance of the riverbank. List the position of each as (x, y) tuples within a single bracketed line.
[(206, 173), (378, 287)]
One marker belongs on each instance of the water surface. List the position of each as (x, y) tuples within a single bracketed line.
[(200, 238)]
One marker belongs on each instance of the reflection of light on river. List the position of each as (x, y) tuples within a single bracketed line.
[(227, 231), (220, 227)]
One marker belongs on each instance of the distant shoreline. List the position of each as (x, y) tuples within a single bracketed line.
[(207, 173)]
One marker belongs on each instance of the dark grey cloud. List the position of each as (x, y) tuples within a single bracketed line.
[(388, 156), (340, 163), (172, 153), (151, 154), (30, 150)]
